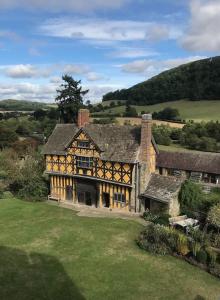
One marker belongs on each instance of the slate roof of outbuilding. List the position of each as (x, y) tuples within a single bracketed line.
[(162, 188), (117, 143), (206, 162)]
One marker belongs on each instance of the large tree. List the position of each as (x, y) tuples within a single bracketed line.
[(70, 99)]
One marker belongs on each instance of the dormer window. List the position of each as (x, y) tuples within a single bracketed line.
[(83, 144)]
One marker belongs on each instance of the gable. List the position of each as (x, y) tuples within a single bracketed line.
[(83, 145)]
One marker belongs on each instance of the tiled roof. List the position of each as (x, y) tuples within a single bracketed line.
[(190, 161), (162, 188), (117, 143)]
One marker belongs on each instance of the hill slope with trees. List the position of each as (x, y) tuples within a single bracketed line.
[(21, 105), (193, 81)]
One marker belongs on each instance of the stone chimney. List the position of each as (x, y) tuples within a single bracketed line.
[(146, 135), (83, 117)]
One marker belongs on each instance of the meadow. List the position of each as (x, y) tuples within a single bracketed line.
[(189, 110)]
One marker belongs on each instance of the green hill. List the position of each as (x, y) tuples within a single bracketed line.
[(22, 105), (205, 110), (192, 81)]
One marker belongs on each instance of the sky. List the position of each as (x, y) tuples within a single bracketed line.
[(107, 44)]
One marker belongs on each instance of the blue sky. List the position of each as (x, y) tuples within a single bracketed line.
[(109, 45)]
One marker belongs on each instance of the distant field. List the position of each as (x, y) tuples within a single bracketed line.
[(189, 110), (137, 121)]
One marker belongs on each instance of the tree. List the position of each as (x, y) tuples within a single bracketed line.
[(167, 113), (162, 134), (70, 99), (7, 136), (39, 114), (130, 111)]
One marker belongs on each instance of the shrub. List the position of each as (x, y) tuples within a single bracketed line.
[(195, 247), (201, 256), (150, 217), (190, 195), (34, 190), (214, 216), (153, 239), (215, 240), (215, 270), (163, 240), (211, 257), (1, 191), (182, 244), (163, 219)]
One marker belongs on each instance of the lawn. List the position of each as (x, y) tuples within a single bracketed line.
[(189, 110), (48, 252)]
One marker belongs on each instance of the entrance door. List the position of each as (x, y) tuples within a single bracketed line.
[(147, 204), (88, 198), (69, 193), (106, 199), (86, 192)]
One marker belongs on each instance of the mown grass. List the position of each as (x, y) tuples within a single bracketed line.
[(189, 110), (48, 252)]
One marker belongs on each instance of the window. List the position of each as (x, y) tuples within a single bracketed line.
[(84, 162), (119, 197), (83, 144)]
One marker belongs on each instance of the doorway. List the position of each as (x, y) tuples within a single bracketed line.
[(85, 198), (69, 193), (147, 205), (106, 199), (86, 192)]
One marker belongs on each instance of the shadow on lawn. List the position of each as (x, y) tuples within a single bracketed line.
[(34, 276)]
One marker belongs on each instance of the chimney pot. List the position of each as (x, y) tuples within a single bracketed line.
[(83, 117), (147, 117)]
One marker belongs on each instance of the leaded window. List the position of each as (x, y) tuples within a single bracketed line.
[(84, 162), (83, 144), (118, 197)]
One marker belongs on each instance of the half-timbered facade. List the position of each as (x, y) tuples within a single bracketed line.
[(100, 165)]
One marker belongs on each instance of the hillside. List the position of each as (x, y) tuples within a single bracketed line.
[(192, 81), (21, 105), (204, 110)]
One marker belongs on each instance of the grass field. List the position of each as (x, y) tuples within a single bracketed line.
[(48, 252), (189, 110)]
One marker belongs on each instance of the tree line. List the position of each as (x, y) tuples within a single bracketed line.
[(193, 81), (196, 136)]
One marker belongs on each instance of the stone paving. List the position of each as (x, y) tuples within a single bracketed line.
[(88, 211)]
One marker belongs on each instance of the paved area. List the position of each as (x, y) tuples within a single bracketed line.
[(87, 211)]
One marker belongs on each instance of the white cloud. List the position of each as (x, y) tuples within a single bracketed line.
[(10, 35), (26, 71), (77, 69), (59, 5), (203, 32), (158, 33), (137, 66), (128, 52), (47, 92), (106, 30), (38, 71), (97, 91), (92, 76), (27, 91), (152, 67)]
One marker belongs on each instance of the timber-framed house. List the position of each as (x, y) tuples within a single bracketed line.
[(107, 166)]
